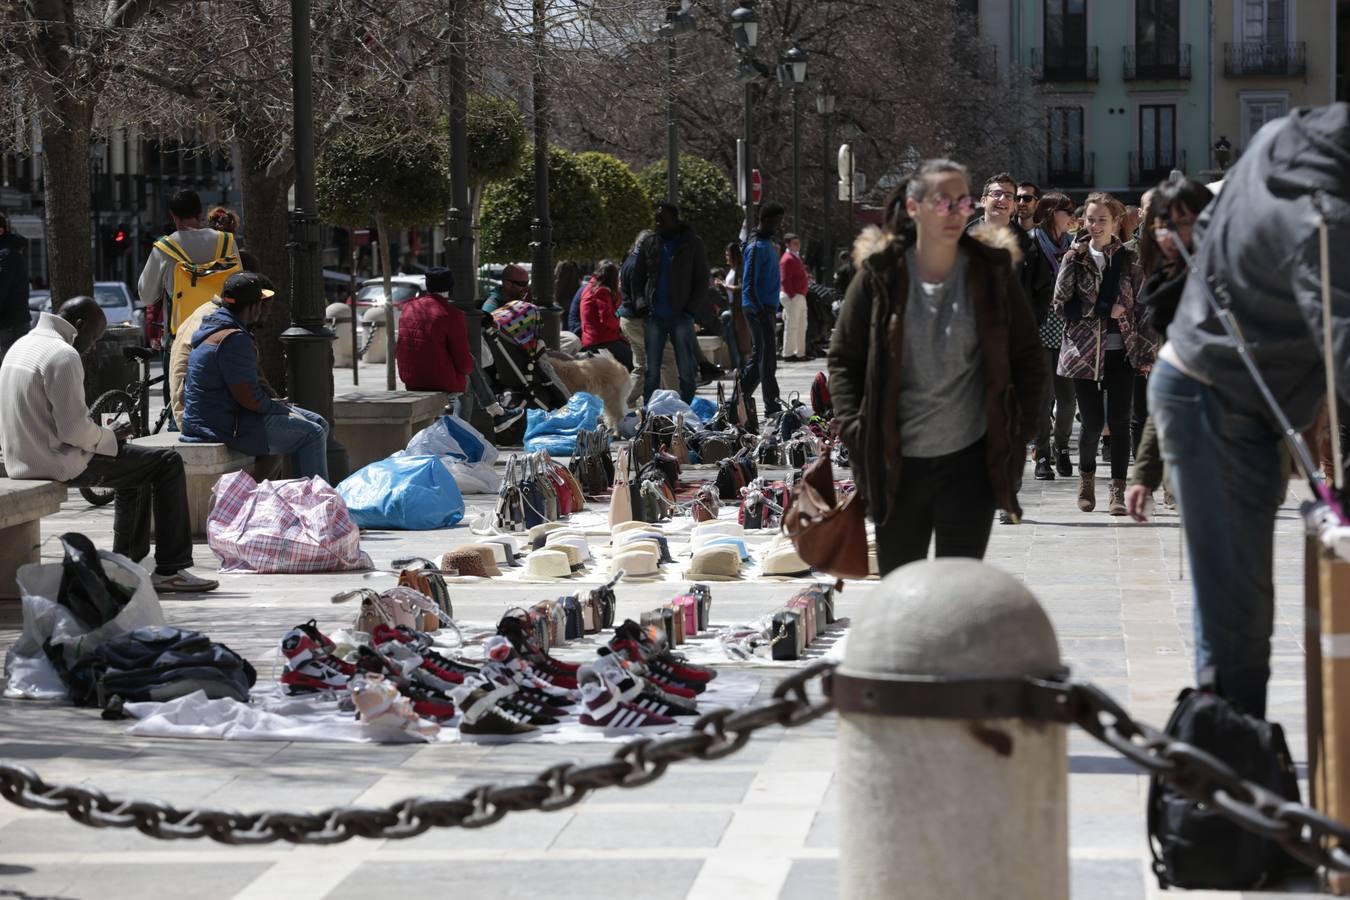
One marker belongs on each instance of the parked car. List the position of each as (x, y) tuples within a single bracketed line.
[(403, 287), (114, 297), (490, 276)]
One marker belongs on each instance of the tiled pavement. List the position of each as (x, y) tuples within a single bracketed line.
[(760, 824)]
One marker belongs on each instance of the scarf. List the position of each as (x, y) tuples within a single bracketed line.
[(1053, 252)]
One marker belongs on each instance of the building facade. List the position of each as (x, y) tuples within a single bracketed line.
[(1128, 90)]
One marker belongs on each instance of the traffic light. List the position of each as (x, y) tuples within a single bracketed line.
[(121, 238)]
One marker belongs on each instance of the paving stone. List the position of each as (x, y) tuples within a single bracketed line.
[(666, 879)]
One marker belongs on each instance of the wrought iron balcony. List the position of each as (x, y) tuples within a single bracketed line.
[(1154, 62), (1256, 58), (1064, 63), (1070, 173), (1150, 167)]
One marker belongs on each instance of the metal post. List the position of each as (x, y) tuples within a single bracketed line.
[(458, 228), (356, 350), (826, 203), (1001, 783), (796, 161), (672, 127), (541, 230), (749, 158), (308, 342)]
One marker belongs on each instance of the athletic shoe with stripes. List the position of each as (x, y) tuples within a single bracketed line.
[(485, 719), (311, 666), (605, 710), (633, 688)]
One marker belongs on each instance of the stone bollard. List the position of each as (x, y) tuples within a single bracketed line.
[(943, 807), (376, 351), (339, 316)]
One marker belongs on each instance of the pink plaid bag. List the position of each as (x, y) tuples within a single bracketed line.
[(291, 527)]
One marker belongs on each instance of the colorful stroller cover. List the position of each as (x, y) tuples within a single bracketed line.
[(519, 321)]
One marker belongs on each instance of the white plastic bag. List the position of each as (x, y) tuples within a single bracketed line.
[(31, 674), (464, 451), (668, 403)]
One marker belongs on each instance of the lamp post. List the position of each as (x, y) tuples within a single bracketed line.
[(825, 106), (308, 342), (1223, 152), (794, 63), (745, 27), (458, 229), (678, 19), (541, 230)]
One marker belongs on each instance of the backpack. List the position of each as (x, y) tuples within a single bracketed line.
[(196, 283), (1194, 845)]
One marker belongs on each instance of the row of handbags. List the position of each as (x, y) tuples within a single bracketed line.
[(643, 496), (801, 620), (398, 606), (764, 504), (734, 474), (795, 452), (683, 617), (737, 412), (534, 490), (592, 464), (568, 618)]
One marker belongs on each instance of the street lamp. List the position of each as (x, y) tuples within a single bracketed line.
[(541, 230), (308, 342), (745, 29), (1223, 152), (678, 19), (825, 106), (458, 230), (794, 62)]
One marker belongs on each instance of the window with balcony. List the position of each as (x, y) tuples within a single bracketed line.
[(1157, 154), (1066, 159), (1264, 47), (1065, 54), (1157, 52), (1260, 108)]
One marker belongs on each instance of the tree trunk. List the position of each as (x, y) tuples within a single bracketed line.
[(390, 311), (475, 208), (65, 142), (264, 229)]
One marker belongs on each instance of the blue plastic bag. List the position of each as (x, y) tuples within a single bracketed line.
[(557, 431), (704, 408), (406, 493)]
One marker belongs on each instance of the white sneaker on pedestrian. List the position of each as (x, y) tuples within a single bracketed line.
[(182, 582)]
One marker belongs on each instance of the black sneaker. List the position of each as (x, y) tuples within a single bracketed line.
[(1043, 470), (508, 418), (1063, 464), (483, 718)]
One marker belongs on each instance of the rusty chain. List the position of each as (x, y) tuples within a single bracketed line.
[(802, 697)]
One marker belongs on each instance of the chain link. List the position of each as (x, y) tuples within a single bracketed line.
[(802, 697)]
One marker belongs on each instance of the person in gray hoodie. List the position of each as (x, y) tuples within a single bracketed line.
[(1258, 250)]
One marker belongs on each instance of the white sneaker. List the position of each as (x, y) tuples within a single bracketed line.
[(181, 582)]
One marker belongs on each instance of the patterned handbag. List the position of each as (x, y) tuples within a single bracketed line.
[(510, 513)]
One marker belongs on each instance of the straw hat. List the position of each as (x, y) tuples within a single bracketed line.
[(632, 525), (544, 528), (657, 539), (504, 550), (548, 564), (488, 552), (576, 543), (733, 528), (636, 563), (574, 559), (466, 562), (715, 564), (783, 560), (726, 540)]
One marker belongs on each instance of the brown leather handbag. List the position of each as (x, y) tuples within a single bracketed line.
[(829, 533)]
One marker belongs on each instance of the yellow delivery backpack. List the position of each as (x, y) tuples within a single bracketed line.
[(196, 283)]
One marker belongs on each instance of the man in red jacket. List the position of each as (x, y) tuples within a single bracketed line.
[(792, 274), (433, 350)]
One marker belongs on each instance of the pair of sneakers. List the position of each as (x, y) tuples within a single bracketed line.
[(602, 695), (311, 665)]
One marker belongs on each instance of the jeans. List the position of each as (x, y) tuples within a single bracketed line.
[(1060, 404), (635, 329), (145, 480), (679, 330), (948, 497), (1101, 403), (478, 395), (762, 367), (794, 325), (304, 435), (1228, 477), (729, 338)]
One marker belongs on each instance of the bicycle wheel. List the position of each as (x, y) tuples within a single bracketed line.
[(111, 408)]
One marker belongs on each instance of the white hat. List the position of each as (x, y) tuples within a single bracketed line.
[(733, 528), (783, 560), (544, 528), (631, 535), (636, 563), (715, 564), (558, 539), (699, 541), (548, 564), (509, 549), (630, 525), (574, 558)]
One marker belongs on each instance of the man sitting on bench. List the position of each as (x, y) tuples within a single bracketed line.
[(46, 434)]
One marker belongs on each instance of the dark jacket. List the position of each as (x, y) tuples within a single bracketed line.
[(865, 356), (688, 273), (14, 282), (223, 354), (574, 310), (433, 345), (1034, 271), (1258, 248)]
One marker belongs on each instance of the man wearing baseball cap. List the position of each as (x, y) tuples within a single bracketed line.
[(224, 401)]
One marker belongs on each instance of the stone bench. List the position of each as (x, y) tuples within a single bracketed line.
[(715, 350), (374, 424), (22, 506), (203, 464)]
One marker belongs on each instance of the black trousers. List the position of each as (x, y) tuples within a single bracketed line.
[(620, 349), (1102, 403), (1138, 411), (761, 370), (1060, 403), (944, 497), (145, 480)]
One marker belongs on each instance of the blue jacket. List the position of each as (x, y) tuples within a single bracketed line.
[(759, 276), (210, 411), (574, 310)]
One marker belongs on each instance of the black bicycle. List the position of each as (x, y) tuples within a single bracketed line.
[(130, 406)]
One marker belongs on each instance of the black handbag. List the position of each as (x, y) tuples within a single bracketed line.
[(713, 446), (573, 629), (788, 635), (85, 589), (604, 598), (510, 514)]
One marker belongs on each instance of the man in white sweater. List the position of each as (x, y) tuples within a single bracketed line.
[(46, 433)]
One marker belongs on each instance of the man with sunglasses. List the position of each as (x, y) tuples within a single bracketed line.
[(515, 286), (1028, 195)]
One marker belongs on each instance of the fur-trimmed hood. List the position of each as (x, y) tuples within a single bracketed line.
[(983, 237)]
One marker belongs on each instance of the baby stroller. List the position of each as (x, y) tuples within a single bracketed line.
[(511, 332)]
